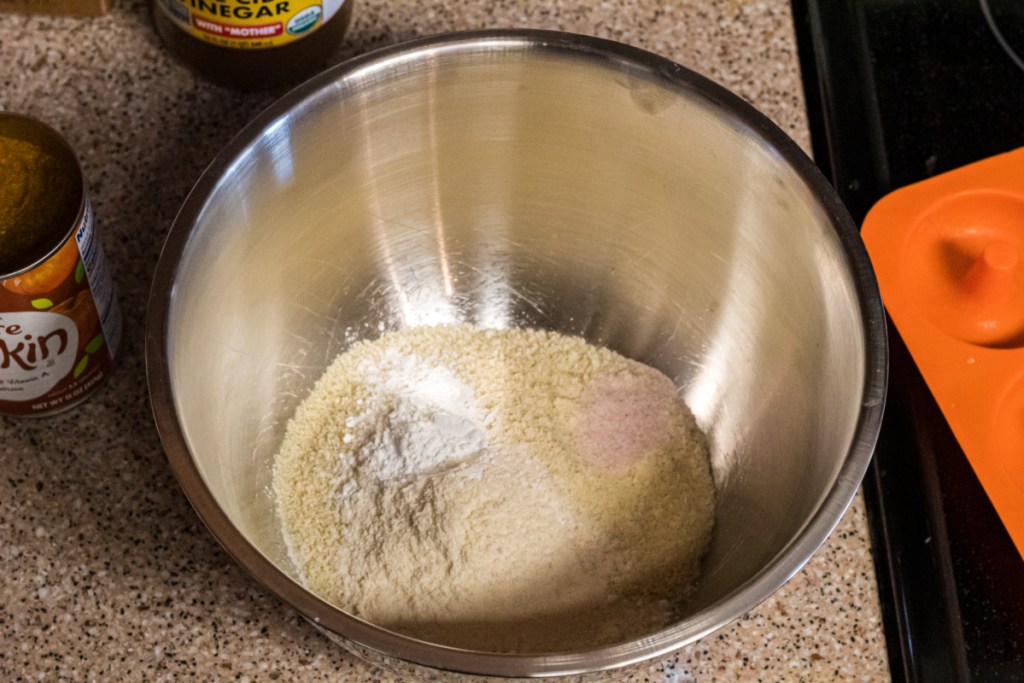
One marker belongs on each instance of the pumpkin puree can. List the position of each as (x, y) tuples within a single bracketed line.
[(60, 324)]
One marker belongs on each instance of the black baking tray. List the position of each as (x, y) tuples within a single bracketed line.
[(898, 91)]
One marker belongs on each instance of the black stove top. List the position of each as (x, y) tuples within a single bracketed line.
[(898, 91)]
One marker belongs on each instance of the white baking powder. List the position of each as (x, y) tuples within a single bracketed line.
[(419, 420)]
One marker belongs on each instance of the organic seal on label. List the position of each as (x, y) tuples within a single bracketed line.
[(60, 324)]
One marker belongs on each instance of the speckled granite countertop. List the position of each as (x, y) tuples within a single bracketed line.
[(107, 573)]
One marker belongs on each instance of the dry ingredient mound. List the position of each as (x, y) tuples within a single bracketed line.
[(501, 490)]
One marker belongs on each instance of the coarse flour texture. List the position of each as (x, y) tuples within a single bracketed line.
[(503, 490)]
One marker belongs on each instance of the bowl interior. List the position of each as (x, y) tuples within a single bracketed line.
[(509, 183)]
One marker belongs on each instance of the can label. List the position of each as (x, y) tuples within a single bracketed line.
[(60, 327), (250, 24)]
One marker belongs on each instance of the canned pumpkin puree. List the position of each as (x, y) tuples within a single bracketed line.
[(60, 324)]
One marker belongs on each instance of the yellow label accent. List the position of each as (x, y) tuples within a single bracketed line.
[(80, 367), (95, 345)]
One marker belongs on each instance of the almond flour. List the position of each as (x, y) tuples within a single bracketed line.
[(501, 490)]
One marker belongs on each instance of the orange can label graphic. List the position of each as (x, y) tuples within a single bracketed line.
[(60, 326)]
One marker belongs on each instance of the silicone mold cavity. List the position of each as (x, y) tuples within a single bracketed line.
[(1008, 435), (964, 270)]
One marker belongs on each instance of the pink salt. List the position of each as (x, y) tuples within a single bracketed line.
[(624, 417)]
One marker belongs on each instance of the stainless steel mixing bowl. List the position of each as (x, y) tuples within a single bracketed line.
[(525, 178)]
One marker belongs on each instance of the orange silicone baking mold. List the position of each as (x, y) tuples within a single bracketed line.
[(949, 256)]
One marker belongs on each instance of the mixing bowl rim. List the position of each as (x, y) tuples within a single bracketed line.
[(782, 567)]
